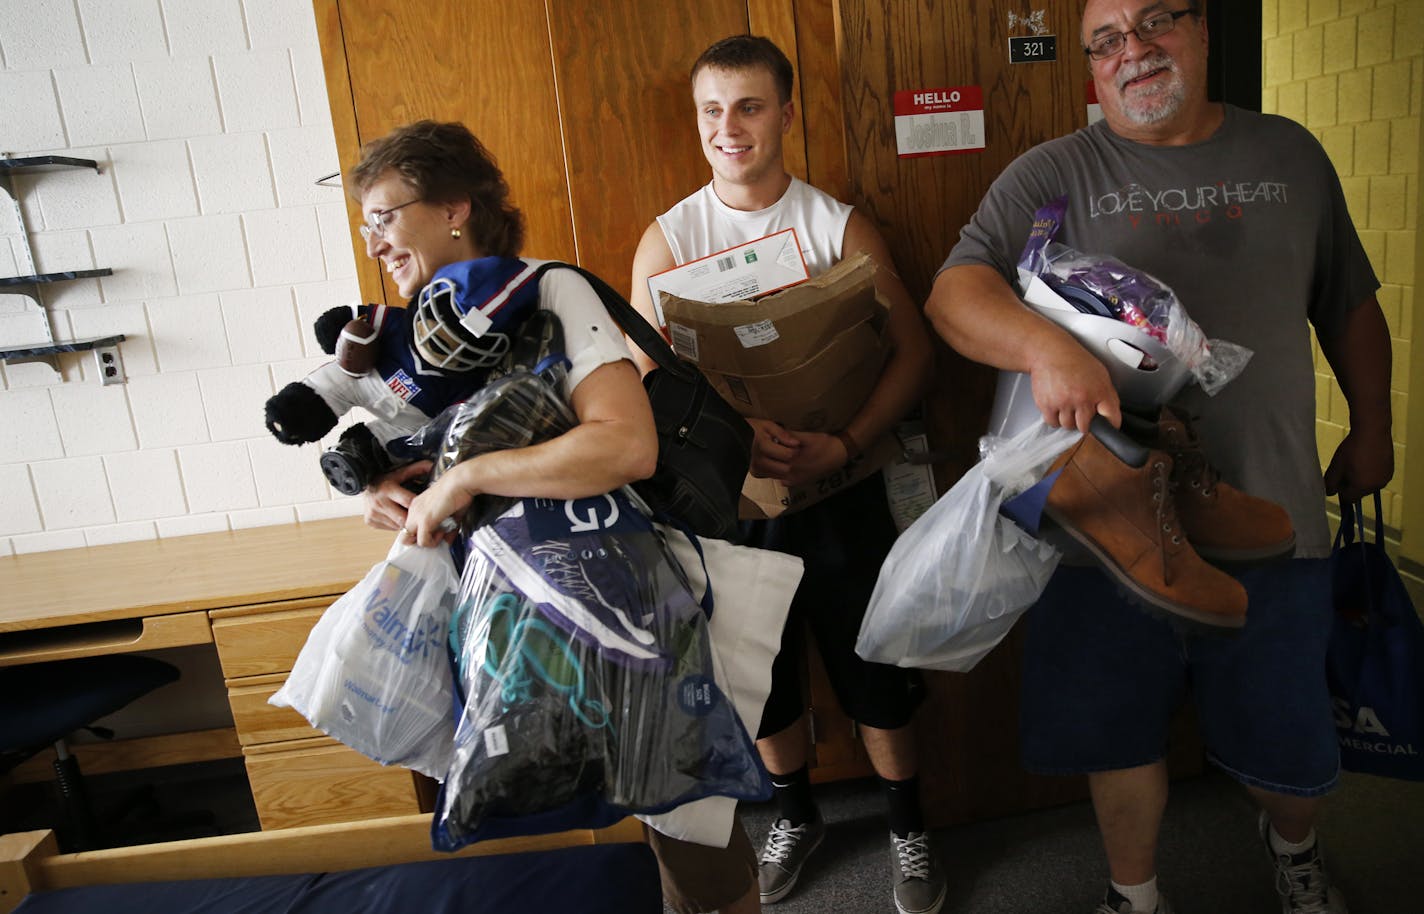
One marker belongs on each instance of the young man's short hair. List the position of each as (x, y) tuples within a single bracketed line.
[(748, 52)]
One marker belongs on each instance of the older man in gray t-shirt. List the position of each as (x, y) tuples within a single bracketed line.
[(1243, 217)]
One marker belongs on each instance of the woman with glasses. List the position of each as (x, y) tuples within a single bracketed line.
[(434, 197)]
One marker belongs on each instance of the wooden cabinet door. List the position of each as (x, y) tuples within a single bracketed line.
[(586, 106), (486, 63), (318, 781), (626, 110)]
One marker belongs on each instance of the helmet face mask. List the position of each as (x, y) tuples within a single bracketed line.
[(451, 330), (443, 341)]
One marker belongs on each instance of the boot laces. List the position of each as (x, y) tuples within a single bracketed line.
[(1190, 465), (913, 853), (782, 840), (1166, 513), (1304, 884)]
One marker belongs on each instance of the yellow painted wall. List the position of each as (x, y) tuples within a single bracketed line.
[(1352, 71)]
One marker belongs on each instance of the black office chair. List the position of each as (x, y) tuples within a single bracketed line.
[(43, 703)]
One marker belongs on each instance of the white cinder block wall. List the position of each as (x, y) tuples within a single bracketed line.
[(210, 122)]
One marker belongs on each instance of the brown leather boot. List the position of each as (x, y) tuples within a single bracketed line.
[(1223, 524), (1127, 518)]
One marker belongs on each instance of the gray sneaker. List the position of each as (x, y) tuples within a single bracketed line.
[(1114, 903), (919, 885), (1301, 880), (783, 855)]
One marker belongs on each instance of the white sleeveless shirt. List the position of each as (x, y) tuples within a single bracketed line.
[(702, 224)]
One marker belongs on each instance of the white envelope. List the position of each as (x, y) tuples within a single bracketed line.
[(735, 274)]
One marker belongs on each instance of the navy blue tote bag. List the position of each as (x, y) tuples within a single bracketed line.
[(1375, 662)]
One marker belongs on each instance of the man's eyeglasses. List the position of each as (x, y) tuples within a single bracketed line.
[(376, 222), (1149, 29)]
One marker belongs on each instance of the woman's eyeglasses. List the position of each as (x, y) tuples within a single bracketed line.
[(1149, 29), (376, 222)]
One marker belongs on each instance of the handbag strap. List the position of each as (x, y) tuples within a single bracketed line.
[(706, 602), (645, 335), (648, 339), (1352, 522)]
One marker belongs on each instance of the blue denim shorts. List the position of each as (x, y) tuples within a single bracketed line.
[(1102, 679)]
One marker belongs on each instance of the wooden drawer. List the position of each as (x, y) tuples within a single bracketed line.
[(316, 781), (257, 721), (265, 642)]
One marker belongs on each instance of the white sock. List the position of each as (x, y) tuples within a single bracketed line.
[(1282, 846), (1143, 897)]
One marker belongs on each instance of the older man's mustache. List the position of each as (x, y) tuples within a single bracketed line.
[(1133, 70)]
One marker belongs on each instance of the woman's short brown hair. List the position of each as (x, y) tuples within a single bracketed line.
[(444, 162)]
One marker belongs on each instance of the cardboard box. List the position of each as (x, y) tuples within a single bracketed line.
[(822, 394), (806, 357), (744, 271)]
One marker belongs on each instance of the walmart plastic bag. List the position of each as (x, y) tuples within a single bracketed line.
[(374, 672), (956, 581), (586, 677)]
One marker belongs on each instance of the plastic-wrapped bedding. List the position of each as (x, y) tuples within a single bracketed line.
[(585, 670)]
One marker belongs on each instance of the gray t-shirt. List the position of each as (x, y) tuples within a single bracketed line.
[(1251, 231)]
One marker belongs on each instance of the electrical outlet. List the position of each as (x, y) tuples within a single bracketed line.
[(111, 366)]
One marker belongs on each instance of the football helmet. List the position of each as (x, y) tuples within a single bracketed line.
[(465, 314)]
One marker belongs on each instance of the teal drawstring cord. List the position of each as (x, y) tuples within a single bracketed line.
[(518, 675)]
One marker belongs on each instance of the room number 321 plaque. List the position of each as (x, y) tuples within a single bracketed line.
[(1033, 48)]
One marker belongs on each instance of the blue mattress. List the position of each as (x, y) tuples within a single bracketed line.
[(595, 879)]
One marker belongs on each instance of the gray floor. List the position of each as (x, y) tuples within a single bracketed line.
[(1050, 862)]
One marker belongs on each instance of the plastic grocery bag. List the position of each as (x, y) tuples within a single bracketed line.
[(585, 676), (374, 673), (956, 581)]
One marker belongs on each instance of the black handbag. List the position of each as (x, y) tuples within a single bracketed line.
[(704, 444)]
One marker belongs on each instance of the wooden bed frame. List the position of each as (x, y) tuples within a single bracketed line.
[(31, 862)]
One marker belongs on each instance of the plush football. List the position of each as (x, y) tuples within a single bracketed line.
[(376, 365), (356, 348)]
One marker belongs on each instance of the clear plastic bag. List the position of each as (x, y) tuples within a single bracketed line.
[(586, 675), (374, 673), (512, 411), (956, 581), (1108, 288)]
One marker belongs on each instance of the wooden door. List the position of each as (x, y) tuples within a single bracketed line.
[(585, 106), (484, 63), (921, 203), (626, 111)]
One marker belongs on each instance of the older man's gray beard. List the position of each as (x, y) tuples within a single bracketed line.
[(1162, 104)]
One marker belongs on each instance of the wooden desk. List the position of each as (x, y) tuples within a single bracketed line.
[(254, 594), (164, 577)]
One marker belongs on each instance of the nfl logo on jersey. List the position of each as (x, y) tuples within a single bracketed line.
[(403, 384)]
